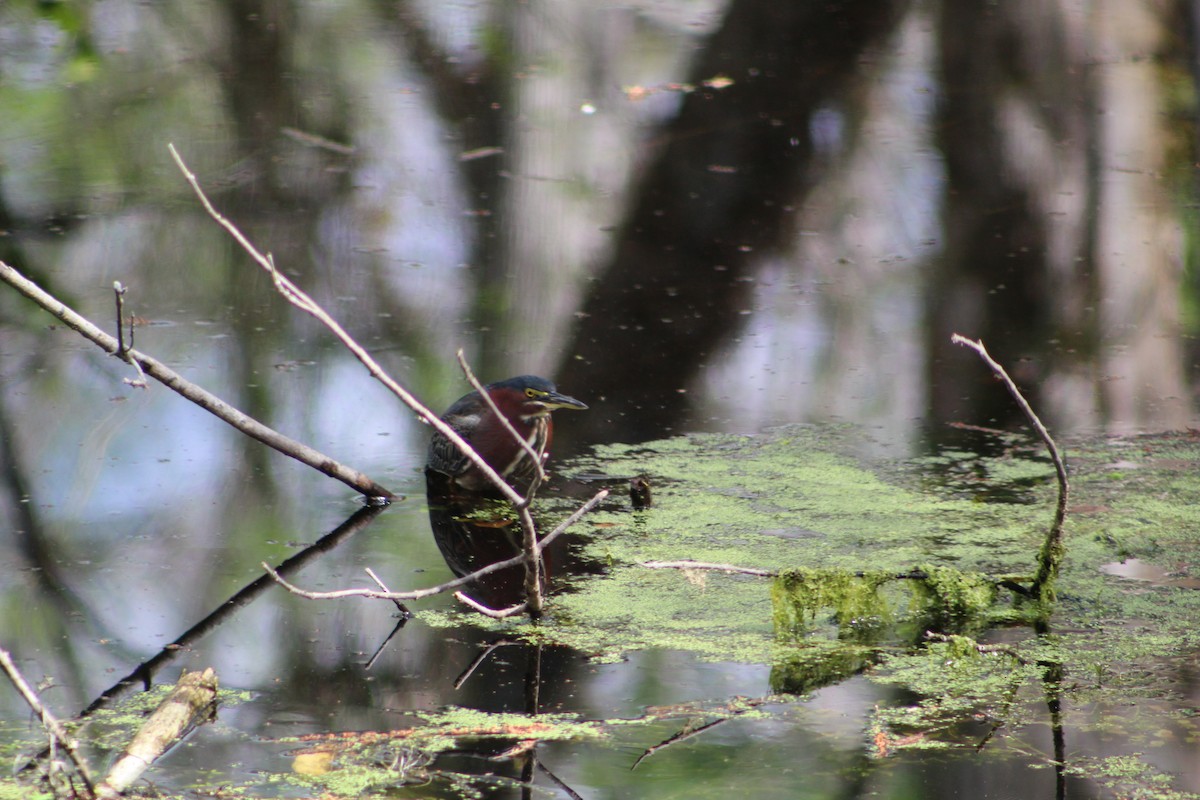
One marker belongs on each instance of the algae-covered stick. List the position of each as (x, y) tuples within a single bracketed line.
[(188, 704)]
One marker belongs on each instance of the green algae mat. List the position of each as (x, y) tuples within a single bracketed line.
[(782, 550), (787, 554)]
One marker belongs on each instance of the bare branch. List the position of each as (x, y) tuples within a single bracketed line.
[(383, 586), (575, 517), (1051, 555), (297, 297), (206, 400), (703, 565), (533, 561), (124, 347), (1059, 466), (494, 613), (58, 735), (537, 457), (417, 594)]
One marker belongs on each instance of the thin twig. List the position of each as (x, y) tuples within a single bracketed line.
[(383, 586), (575, 517), (536, 456), (494, 613), (124, 348), (449, 585), (704, 565), (190, 391), (54, 728), (1050, 557), (297, 297), (1059, 466)]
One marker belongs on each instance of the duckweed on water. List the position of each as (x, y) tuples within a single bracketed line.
[(837, 534), (863, 566)]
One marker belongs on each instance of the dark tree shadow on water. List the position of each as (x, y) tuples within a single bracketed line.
[(719, 195)]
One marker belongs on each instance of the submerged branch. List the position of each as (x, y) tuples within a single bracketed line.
[(690, 730), (705, 565), (759, 572)]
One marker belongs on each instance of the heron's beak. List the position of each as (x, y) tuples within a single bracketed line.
[(554, 401)]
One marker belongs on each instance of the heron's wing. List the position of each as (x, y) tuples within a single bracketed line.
[(444, 456)]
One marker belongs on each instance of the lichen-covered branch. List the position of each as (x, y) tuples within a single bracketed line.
[(189, 704)]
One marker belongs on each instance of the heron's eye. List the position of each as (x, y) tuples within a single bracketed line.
[(532, 393)]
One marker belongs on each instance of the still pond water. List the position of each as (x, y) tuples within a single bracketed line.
[(709, 219)]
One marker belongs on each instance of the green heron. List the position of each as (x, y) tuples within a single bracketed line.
[(526, 401)]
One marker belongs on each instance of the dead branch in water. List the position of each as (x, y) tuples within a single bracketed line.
[(190, 391), (54, 729), (710, 567), (1053, 549), (189, 704), (417, 594)]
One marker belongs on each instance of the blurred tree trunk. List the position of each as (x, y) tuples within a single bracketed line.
[(719, 195), (1139, 241), (276, 192), (473, 97), (1017, 269), (539, 184), (1059, 231)]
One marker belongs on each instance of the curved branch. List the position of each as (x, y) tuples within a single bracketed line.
[(1053, 550)]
